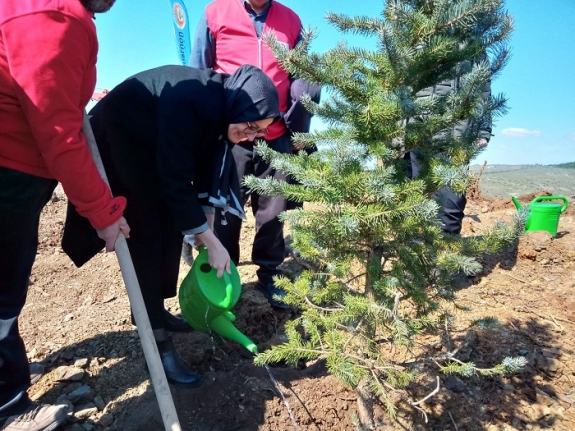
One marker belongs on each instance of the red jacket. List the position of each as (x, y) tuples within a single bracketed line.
[(48, 54), (237, 44)]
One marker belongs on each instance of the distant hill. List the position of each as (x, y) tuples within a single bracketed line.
[(499, 168), (566, 165), (506, 168), (515, 180)]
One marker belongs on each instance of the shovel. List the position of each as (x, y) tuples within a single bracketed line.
[(157, 374)]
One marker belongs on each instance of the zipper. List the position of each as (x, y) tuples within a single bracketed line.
[(260, 59), (260, 45)]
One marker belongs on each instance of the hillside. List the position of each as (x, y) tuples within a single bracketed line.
[(515, 180)]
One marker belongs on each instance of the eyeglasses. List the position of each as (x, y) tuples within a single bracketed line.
[(253, 130)]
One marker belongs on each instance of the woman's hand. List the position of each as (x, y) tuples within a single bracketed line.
[(198, 240), (211, 218), (218, 256), (110, 233), (482, 142)]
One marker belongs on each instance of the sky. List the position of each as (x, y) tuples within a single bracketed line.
[(539, 81)]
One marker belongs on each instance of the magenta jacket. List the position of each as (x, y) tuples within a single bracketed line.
[(238, 44)]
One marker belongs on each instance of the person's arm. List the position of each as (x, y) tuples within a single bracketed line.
[(210, 213), (52, 64), (181, 130), (203, 54), (218, 256), (298, 118)]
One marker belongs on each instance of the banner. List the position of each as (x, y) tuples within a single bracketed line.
[(181, 31)]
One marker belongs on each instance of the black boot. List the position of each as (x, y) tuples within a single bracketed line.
[(172, 323), (176, 369), (175, 323)]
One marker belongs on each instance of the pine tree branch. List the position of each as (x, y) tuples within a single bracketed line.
[(416, 403), (432, 393), (353, 334), (380, 383), (317, 307), (458, 18), (448, 356), (367, 364)]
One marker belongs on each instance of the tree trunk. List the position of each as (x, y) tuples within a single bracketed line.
[(364, 393), (364, 406)]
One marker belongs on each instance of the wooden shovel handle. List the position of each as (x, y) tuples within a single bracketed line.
[(157, 374)]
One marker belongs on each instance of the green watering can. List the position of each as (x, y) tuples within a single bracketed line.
[(543, 215), (206, 300)]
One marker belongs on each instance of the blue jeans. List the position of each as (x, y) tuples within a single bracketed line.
[(22, 198)]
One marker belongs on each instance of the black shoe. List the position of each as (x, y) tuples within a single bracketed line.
[(176, 369), (175, 323), (270, 291), (172, 323)]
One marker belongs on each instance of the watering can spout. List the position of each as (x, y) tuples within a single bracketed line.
[(223, 326), (516, 202)]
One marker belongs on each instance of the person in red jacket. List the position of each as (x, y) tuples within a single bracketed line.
[(229, 35), (48, 52)]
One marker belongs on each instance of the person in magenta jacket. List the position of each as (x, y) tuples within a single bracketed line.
[(48, 52), (228, 35)]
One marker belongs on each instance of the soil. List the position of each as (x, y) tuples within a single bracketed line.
[(77, 323)]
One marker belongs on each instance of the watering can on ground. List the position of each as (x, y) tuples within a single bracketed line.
[(543, 215), (206, 300)]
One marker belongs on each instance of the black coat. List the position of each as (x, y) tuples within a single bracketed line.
[(158, 134), (444, 89), (155, 140)]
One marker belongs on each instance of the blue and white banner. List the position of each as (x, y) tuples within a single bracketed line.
[(181, 31)]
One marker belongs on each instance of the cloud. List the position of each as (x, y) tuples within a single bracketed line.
[(517, 132)]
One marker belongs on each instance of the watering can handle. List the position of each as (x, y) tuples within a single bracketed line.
[(229, 289), (553, 198), (225, 303)]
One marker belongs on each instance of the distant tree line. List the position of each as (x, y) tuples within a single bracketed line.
[(570, 165)]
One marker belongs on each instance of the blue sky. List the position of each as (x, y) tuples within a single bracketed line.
[(538, 81)]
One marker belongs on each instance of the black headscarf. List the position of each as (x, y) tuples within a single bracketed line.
[(250, 96)]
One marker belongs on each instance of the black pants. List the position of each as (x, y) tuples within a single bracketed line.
[(268, 249), (155, 247), (452, 205), (22, 198)]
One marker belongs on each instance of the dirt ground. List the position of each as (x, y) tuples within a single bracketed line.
[(77, 323)]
